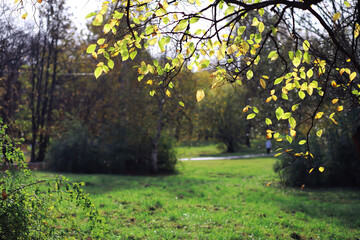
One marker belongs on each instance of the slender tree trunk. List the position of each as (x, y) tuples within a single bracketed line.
[(356, 139), (156, 139)]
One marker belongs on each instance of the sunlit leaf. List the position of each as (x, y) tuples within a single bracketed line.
[(91, 48), (311, 170), (321, 169), (251, 116), (98, 71), (319, 133), (352, 76), (249, 74), (279, 113), (302, 142), (336, 16), (262, 83), (268, 121), (200, 94)]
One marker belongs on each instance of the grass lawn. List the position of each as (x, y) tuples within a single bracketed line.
[(225, 199), (211, 149)]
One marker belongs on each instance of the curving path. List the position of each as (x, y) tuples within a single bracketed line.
[(226, 158)]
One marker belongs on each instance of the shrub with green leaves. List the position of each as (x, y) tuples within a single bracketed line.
[(116, 149), (41, 209), (334, 151)]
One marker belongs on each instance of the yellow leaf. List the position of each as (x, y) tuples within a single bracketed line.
[(335, 100), (340, 108), (24, 16), (168, 93), (336, 16), (39, 1), (175, 17), (200, 94), (150, 82), (278, 154), (94, 55), (352, 76), (245, 109), (311, 170), (262, 83), (321, 169), (319, 115), (333, 83), (292, 133), (268, 184), (274, 97), (268, 99), (302, 187)]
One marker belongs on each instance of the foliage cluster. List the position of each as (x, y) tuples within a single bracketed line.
[(116, 149), (41, 209), (335, 151)]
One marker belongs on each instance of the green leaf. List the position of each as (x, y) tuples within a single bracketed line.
[(241, 30), (306, 45), (100, 41), (107, 28), (90, 49), (279, 113), (249, 74), (181, 104), (261, 27), (117, 15), (309, 73), (291, 55), (98, 20), (347, 4), (301, 94), (111, 64), (302, 142), (296, 61), (152, 93), (251, 116), (268, 121), (90, 15), (289, 139), (181, 26), (98, 72), (294, 107), (292, 122), (133, 54), (278, 80), (149, 30)]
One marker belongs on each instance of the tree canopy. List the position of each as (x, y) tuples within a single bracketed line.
[(312, 45)]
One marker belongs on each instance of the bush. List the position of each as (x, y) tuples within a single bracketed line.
[(335, 151), (39, 209), (115, 150)]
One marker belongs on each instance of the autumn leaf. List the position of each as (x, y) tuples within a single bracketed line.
[(321, 169), (200, 94), (336, 16)]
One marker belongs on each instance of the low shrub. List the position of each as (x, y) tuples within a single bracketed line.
[(40, 209), (114, 150), (335, 151)]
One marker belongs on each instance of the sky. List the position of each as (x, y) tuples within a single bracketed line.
[(81, 8)]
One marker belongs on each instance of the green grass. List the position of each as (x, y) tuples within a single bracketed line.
[(221, 200), (211, 149)]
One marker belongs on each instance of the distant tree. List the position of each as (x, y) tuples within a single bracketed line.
[(44, 61), (14, 49)]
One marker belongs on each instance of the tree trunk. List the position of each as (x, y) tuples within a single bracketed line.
[(156, 139), (356, 139)]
